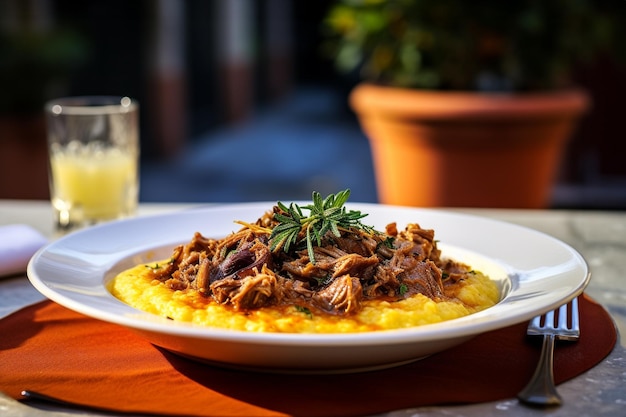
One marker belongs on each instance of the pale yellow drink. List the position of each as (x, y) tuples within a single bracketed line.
[(94, 187), (93, 144)]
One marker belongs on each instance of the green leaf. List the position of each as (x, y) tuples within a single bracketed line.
[(325, 215)]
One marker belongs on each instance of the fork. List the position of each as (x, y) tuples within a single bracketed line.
[(541, 389)]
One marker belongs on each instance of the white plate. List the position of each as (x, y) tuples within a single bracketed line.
[(534, 271)]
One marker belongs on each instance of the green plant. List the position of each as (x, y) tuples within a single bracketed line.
[(511, 45)]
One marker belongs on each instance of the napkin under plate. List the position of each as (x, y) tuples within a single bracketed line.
[(18, 243)]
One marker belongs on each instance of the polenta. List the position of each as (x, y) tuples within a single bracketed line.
[(139, 289)]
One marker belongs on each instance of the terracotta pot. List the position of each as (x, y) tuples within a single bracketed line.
[(449, 149)]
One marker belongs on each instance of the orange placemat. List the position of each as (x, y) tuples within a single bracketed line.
[(55, 351)]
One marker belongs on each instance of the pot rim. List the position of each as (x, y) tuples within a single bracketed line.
[(367, 98)]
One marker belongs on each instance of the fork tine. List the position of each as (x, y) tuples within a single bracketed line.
[(549, 319), (563, 316), (536, 321), (575, 323)]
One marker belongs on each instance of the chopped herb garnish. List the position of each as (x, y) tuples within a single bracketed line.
[(325, 215), (403, 289), (322, 281), (304, 310)]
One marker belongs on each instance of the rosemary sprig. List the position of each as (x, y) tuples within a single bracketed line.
[(325, 215)]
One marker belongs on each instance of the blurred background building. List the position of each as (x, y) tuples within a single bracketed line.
[(238, 102)]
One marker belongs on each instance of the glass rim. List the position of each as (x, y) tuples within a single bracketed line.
[(90, 105)]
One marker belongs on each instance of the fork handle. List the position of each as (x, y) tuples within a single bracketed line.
[(541, 389)]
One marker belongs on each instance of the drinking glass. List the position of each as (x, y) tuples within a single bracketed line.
[(93, 145)]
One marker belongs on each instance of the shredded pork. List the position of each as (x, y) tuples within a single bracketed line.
[(240, 270)]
